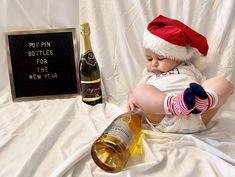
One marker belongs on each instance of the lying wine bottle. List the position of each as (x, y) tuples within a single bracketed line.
[(113, 148), (89, 72)]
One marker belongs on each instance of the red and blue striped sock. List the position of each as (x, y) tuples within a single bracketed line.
[(204, 99), (180, 105)]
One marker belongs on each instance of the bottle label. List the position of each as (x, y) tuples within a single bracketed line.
[(91, 90), (89, 58), (120, 130)]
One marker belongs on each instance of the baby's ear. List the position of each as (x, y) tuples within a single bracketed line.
[(200, 62)]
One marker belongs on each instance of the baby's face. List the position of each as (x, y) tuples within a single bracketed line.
[(159, 64)]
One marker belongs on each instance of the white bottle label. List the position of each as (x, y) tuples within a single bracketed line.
[(120, 130)]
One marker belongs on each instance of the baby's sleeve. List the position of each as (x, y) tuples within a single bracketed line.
[(199, 76), (145, 76)]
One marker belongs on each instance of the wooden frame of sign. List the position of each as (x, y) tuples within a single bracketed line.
[(43, 64)]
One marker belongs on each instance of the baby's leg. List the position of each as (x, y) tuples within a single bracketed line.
[(221, 86), (154, 102), (148, 98), (154, 118), (223, 90), (208, 115), (151, 100)]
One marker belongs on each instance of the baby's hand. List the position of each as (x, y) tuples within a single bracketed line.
[(131, 103)]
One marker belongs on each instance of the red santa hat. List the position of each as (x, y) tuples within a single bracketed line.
[(173, 39)]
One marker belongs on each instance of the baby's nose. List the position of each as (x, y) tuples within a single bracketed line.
[(154, 62)]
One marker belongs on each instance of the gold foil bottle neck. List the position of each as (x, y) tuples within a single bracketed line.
[(85, 37), (85, 29)]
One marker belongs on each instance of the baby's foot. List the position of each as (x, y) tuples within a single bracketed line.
[(204, 99), (180, 105)]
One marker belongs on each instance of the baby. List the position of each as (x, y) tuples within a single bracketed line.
[(173, 93)]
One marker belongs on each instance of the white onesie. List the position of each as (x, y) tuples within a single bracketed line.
[(172, 83)]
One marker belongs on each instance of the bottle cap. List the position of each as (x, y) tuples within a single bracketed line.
[(85, 28)]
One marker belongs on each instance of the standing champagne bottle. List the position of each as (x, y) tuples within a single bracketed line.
[(113, 148), (89, 72)]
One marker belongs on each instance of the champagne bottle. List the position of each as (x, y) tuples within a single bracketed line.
[(113, 148), (89, 72)]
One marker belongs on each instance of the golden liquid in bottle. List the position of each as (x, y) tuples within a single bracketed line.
[(111, 151)]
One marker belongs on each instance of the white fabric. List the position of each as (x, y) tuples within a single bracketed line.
[(52, 138)]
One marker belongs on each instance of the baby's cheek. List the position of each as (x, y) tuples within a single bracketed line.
[(148, 67)]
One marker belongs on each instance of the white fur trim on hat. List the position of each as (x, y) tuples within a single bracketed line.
[(167, 49)]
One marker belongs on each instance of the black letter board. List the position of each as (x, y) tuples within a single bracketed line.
[(42, 63)]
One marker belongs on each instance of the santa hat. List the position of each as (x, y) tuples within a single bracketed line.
[(173, 39)]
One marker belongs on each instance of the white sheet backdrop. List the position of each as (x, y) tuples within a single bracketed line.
[(52, 138)]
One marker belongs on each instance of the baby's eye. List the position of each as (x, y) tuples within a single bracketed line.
[(149, 59), (160, 58)]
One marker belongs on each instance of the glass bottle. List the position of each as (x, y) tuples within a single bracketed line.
[(113, 148), (89, 72)]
